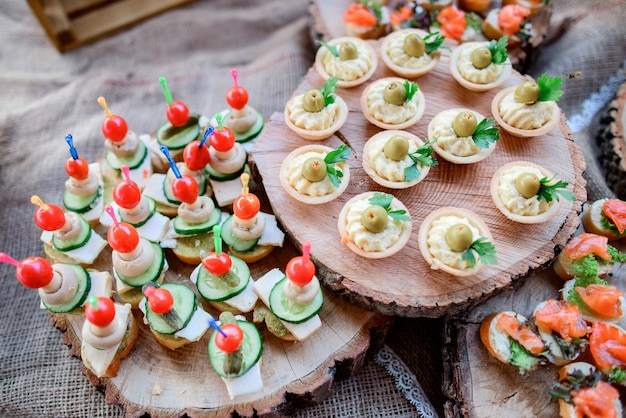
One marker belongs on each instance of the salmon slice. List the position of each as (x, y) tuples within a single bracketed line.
[(401, 15), (585, 244), (604, 300), (596, 402), (607, 344), (520, 333), (359, 15), (563, 318), (511, 17), (452, 22), (615, 210)]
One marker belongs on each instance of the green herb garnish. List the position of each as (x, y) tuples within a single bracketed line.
[(617, 375), (486, 133), (411, 88), (435, 44), (548, 191), (473, 21), (607, 223), (423, 156), (375, 7), (521, 358), (498, 50), (384, 200), (485, 250), (331, 48), (328, 88), (333, 157), (575, 381), (549, 88)]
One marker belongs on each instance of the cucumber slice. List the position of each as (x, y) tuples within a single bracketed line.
[(251, 133), (176, 138), (185, 304), (234, 241), (291, 311), (151, 208), (81, 204), (84, 285), (185, 228), (251, 346), (150, 275), (169, 195), (217, 176), (76, 242), (132, 161), (214, 289)]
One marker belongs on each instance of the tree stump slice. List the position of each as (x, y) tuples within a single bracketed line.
[(161, 382), (404, 284), (612, 143), (476, 384)]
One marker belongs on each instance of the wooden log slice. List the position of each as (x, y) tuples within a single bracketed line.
[(476, 384), (404, 284), (161, 382), (612, 144)]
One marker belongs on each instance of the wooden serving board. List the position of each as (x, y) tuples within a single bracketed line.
[(160, 382), (404, 284)]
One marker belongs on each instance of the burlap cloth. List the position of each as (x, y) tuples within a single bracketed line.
[(46, 95)]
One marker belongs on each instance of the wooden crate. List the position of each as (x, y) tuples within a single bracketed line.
[(71, 23)]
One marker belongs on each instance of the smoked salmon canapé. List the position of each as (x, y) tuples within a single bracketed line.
[(606, 217), (597, 301), (563, 330), (607, 344), (587, 256), (508, 337)]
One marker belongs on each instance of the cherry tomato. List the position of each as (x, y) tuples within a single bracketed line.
[(246, 206), (222, 140), (160, 300), (237, 97), (51, 218), (300, 270), (185, 189), (123, 237), (233, 339), (77, 168), (127, 194), (218, 264), (196, 157), (34, 272), (100, 311), (114, 128), (177, 113)]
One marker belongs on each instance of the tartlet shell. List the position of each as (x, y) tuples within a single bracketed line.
[(322, 133), (403, 71), (319, 66), (421, 107), (475, 86)]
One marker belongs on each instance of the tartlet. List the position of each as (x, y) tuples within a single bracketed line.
[(491, 77), (398, 61), (512, 203), (362, 241), (295, 183), (431, 237), (386, 115), (449, 146), (350, 73), (388, 172), (336, 114)]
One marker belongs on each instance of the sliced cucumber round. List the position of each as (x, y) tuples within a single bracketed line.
[(251, 347), (76, 242), (251, 133), (185, 304), (150, 275), (81, 204), (215, 289), (151, 209), (185, 228), (217, 176), (290, 311), (176, 138), (169, 194), (232, 240), (84, 285), (133, 161)]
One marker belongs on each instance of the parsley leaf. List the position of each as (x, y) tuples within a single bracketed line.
[(485, 250), (411, 88), (384, 200), (486, 133), (423, 156), (498, 50), (333, 157), (435, 44), (327, 89), (331, 48), (549, 191), (549, 88)]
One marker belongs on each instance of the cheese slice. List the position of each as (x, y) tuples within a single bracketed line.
[(272, 235), (96, 359), (225, 192), (244, 301), (101, 284), (248, 383), (85, 254), (263, 287), (196, 327), (154, 189), (141, 174), (153, 230), (94, 213)]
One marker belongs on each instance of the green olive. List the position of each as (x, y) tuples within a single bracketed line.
[(314, 169), (481, 57), (527, 92), (414, 45), (395, 93), (347, 51), (374, 218), (527, 184), (313, 101), (396, 148), (459, 237), (464, 124)]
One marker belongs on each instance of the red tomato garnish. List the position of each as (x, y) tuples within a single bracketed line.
[(452, 22), (359, 15), (100, 311), (127, 194), (123, 237), (587, 243), (77, 168), (196, 157), (246, 206), (114, 128), (300, 270), (34, 272), (510, 18), (50, 218), (160, 300), (615, 210), (185, 189), (232, 341), (218, 264), (177, 113), (222, 139)]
